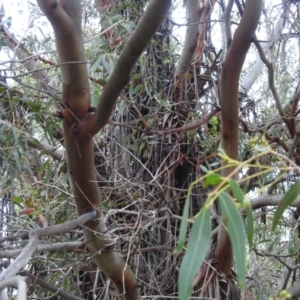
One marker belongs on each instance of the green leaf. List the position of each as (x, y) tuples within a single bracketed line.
[(128, 26), (264, 241), (183, 226), (214, 120), (212, 179), (102, 82), (137, 76), (235, 227), (34, 106), (18, 200), (222, 151), (287, 200), (250, 222), (237, 191), (17, 159), (197, 248), (96, 64), (204, 169), (138, 89)]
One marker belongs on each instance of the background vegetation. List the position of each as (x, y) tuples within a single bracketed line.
[(177, 135)]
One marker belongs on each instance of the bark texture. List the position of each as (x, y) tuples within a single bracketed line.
[(80, 125), (229, 110)]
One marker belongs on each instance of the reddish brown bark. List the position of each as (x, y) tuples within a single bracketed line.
[(229, 110), (80, 125)]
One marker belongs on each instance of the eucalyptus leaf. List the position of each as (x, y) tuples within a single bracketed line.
[(287, 200), (235, 227), (183, 226), (193, 259), (237, 191), (250, 222)]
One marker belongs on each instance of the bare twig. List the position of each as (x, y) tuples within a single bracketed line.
[(42, 248), (56, 229), (269, 65), (49, 287)]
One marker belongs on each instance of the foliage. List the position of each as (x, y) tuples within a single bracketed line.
[(158, 163)]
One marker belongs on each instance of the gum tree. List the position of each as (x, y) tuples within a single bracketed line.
[(80, 125), (125, 129)]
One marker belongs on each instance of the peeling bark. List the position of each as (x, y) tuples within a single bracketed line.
[(197, 15)]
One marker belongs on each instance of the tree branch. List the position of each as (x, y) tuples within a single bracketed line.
[(270, 200), (42, 248), (148, 25), (79, 125), (49, 287), (65, 18), (190, 41), (229, 110), (18, 281), (227, 22), (25, 57), (56, 229), (22, 259), (270, 68), (294, 290)]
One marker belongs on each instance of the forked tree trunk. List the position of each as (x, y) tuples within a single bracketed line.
[(80, 125)]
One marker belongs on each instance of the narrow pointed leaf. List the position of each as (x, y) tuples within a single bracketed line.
[(204, 169), (235, 227), (287, 200), (237, 191), (183, 226), (197, 248), (17, 160), (250, 223)]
